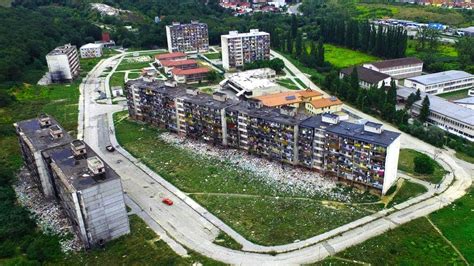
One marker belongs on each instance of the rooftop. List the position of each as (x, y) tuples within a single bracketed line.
[(192, 71), (396, 62), (468, 100), (169, 55), (76, 169), (62, 49), (365, 74), (287, 97), (173, 63), (92, 45), (441, 77), (252, 79), (39, 137), (442, 106), (253, 32), (326, 102)]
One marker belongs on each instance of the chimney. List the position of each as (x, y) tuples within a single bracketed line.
[(192, 91), (44, 120), (373, 127), (56, 132), (96, 166), (219, 96), (330, 118), (78, 148)]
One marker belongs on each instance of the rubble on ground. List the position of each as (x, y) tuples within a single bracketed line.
[(48, 214), (284, 177)]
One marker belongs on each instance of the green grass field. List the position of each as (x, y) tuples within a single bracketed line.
[(414, 243), (212, 56), (287, 83), (129, 65), (233, 194), (225, 240), (133, 75), (117, 79), (454, 95), (341, 57), (407, 191), (405, 163)]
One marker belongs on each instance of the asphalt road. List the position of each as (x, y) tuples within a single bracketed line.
[(189, 224)]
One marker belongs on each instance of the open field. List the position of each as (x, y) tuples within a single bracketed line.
[(141, 247), (133, 75), (405, 163), (412, 12), (117, 79), (341, 57), (287, 83), (407, 191), (259, 211), (129, 64), (212, 56), (409, 244), (454, 95)]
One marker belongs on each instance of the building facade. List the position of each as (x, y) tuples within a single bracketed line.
[(241, 48), (63, 63), (367, 77), (91, 50), (192, 37), (280, 134), (189, 76), (449, 116), (400, 68), (89, 191), (442, 82)]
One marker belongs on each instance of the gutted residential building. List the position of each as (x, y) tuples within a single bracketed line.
[(89, 191), (362, 155), (63, 63)]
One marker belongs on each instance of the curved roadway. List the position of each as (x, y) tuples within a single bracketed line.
[(189, 224)]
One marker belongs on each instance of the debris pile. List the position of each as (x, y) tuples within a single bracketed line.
[(284, 177), (48, 214)]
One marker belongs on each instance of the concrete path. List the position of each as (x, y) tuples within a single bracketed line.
[(191, 225)]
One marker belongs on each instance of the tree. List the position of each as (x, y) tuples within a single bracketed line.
[(320, 55), (294, 26), (392, 93), (428, 39), (423, 164), (425, 110), (465, 48), (298, 44), (289, 43)]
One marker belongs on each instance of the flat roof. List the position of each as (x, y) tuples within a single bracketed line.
[(252, 79), (441, 77), (92, 45), (468, 100), (253, 32), (76, 169), (62, 49), (39, 137), (442, 106), (356, 131)]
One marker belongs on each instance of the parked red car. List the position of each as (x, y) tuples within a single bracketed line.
[(167, 201)]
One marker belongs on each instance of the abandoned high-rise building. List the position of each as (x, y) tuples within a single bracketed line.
[(68, 170)]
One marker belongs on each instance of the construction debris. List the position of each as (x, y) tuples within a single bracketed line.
[(284, 178), (48, 214)]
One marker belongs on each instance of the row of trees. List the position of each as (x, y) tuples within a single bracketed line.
[(387, 42)]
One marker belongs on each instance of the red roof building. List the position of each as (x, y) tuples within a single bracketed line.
[(193, 75), (171, 56)]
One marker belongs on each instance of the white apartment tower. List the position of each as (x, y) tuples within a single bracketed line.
[(63, 63), (192, 37), (241, 48)]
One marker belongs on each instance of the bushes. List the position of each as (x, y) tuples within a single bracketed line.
[(275, 64), (423, 164), (44, 248)]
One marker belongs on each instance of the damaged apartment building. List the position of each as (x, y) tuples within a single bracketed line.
[(68, 170), (363, 155)]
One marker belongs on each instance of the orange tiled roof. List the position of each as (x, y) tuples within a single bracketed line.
[(325, 102), (199, 70), (169, 55), (287, 97), (173, 63)]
